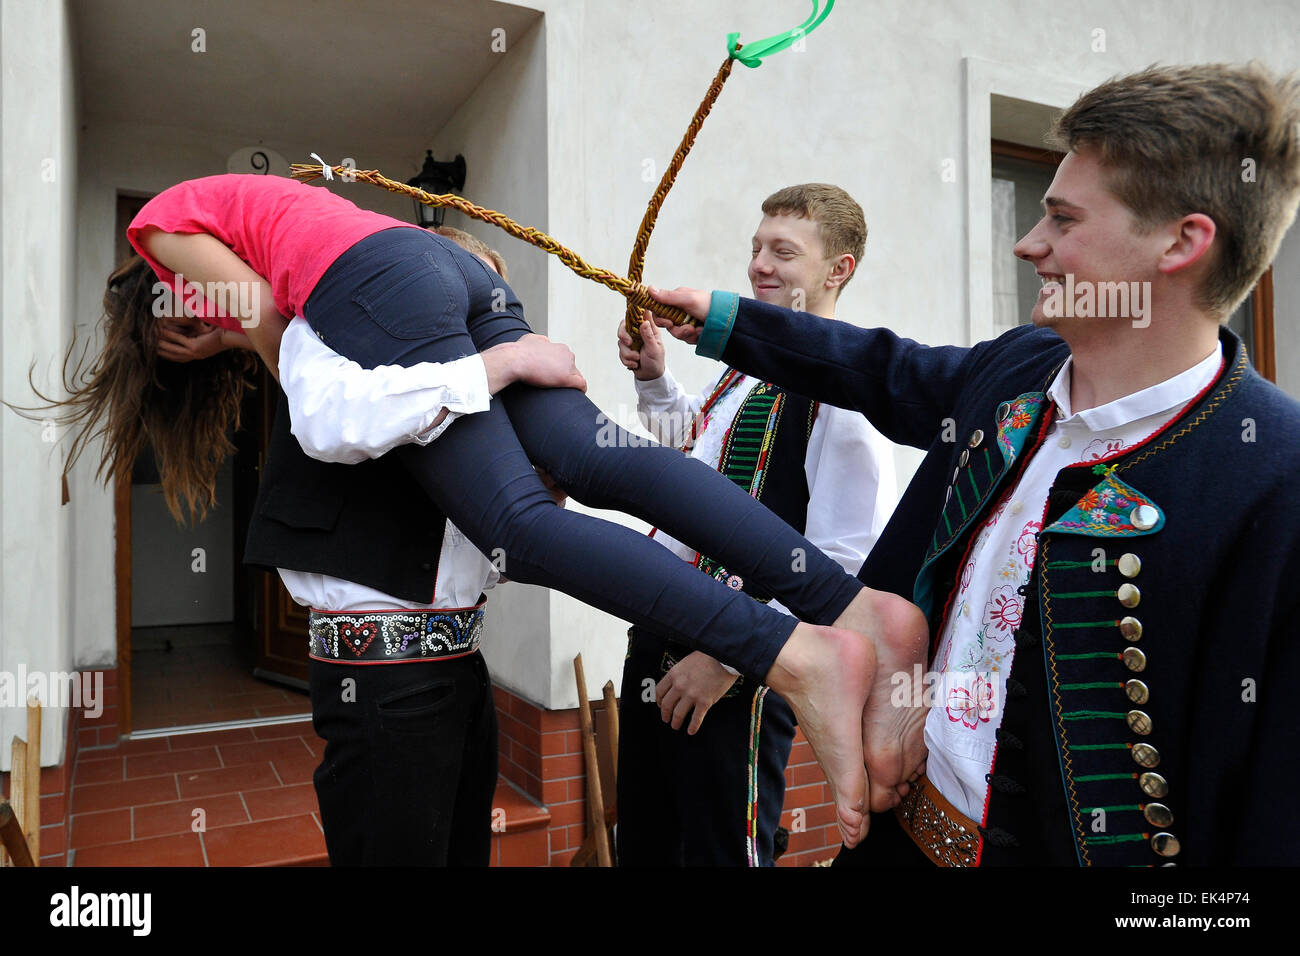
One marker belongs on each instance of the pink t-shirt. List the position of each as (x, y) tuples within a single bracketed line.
[(288, 232)]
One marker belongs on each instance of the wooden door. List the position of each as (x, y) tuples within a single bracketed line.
[(281, 623), (127, 207)]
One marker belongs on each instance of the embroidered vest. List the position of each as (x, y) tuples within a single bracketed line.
[(763, 452)]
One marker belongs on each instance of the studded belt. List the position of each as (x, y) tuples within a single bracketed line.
[(389, 637), (944, 834)]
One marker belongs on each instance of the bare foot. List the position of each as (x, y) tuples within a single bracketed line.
[(892, 735), (824, 675)]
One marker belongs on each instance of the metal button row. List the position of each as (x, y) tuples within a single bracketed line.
[(1145, 755), (976, 437)]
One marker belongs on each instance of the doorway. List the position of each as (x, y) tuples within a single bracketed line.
[(202, 640)]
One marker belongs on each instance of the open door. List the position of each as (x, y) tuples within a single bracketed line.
[(282, 636), (281, 623)]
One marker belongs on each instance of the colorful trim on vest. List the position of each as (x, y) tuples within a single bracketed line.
[(1107, 511), (751, 768), (746, 453)]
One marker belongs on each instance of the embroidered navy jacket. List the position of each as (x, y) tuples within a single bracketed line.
[(1148, 715)]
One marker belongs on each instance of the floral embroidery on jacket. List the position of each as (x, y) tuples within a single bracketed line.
[(1102, 448), (1020, 415), (1027, 543), (1106, 509), (1004, 609), (971, 705)]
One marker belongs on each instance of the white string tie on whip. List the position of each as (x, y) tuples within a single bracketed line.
[(329, 173)]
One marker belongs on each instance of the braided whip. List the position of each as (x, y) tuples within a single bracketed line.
[(630, 287), (752, 59), (637, 262), (633, 291)]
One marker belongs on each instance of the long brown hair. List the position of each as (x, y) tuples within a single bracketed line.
[(133, 399)]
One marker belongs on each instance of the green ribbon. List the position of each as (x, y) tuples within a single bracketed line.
[(754, 52)]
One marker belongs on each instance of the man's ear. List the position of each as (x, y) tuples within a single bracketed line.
[(1189, 240), (841, 270)]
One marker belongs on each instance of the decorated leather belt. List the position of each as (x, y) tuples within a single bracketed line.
[(389, 637), (942, 832)]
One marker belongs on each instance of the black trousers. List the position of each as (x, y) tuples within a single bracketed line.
[(712, 799), (410, 764), (887, 846)]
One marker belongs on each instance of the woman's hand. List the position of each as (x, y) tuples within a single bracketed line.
[(180, 341), (204, 259)]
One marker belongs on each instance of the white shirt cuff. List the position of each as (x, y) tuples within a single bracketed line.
[(657, 391)]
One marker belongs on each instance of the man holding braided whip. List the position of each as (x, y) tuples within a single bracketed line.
[(712, 794), (1114, 643)]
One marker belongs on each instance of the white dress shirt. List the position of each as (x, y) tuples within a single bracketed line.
[(849, 465), (341, 412), (976, 645)]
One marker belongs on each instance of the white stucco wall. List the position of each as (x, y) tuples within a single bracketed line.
[(38, 144), (501, 129)]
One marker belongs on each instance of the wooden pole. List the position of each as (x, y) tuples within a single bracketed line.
[(122, 578), (11, 836), (595, 800), (611, 722), (32, 797), (1264, 354), (18, 783)]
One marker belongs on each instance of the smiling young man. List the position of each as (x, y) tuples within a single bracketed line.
[(712, 794), (1107, 550)]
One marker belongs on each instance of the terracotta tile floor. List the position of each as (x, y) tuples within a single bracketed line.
[(141, 803), (233, 797), (137, 804), (199, 674)]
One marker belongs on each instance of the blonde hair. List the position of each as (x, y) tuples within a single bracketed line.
[(475, 245), (840, 222)]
